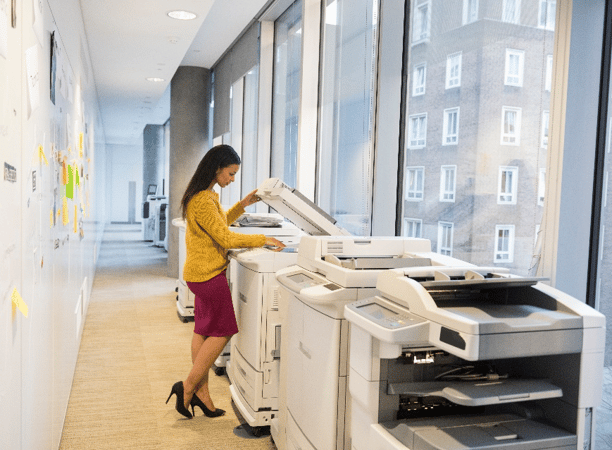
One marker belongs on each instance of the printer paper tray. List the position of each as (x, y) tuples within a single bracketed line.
[(480, 393)]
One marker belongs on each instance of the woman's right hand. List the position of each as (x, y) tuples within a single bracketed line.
[(276, 245)]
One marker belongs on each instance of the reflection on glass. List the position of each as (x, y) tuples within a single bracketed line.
[(286, 99), (348, 63), (476, 132), (249, 132)]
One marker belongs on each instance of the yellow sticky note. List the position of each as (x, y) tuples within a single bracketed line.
[(42, 156), (81, 140), (51, 219), (65, 212), (19, 303)]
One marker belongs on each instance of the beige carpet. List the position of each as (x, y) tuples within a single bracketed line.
[(133, 349)]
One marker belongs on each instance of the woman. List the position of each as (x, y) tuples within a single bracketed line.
[(207, 239)]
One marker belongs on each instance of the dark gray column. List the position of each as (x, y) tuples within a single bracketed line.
[(189, 141), (153, 163)]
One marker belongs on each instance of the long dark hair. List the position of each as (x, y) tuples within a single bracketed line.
[(218, 157)]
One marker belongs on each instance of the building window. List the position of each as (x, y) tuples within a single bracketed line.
[(418, 131), (413, 227), (447, 183), (507, 186), (549, 66), (445, 238), (418, 79), (504, 243), (541, 185), (470, 11), (422, 16), (511, 126), (514, 67), (414, 183), (545, 122), (546, 14), (511, 11), (450, 132), (453, 70)]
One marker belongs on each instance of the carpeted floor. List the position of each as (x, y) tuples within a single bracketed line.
[(133, 349)]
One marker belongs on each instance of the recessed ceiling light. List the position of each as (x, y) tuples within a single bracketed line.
[(182, 15), (155, 79)]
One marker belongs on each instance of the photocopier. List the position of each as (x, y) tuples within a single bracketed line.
[(331, 271), (255, 356), (467, 357)]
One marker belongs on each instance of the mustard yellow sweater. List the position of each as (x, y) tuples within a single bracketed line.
[(207, 236)]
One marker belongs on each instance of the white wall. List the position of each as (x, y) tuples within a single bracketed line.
[(125, 165), (44, 259)]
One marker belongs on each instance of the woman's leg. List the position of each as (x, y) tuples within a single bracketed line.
[(204, 351)]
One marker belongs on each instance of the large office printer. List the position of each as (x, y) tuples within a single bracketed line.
[(473, 358), (254, 369), (331, 271)]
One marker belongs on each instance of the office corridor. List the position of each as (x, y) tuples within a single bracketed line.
[(133, 349)]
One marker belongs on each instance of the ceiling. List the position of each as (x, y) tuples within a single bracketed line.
[(130, 41)]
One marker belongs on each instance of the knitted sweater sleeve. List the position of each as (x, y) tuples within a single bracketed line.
[(210, 220)]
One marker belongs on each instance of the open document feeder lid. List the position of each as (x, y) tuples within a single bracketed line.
[(298, 209)]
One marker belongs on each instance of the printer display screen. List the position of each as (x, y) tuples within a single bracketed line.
[(300, 278), (377, 311)]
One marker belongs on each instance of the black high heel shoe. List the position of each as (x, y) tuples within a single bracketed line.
[(195, 401), (177, 389)]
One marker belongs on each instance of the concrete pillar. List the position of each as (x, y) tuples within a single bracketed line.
[(153, 164), (189, 141)]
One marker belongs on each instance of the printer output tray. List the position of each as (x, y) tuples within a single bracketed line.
[(478, 432), (480, 393)]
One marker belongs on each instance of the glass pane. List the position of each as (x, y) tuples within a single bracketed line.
[(488, 87), (347, 105), (286, 99), (249, 132)]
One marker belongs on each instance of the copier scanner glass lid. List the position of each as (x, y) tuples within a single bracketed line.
[(298, 209)]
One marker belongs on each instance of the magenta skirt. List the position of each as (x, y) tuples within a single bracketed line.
[(214, 311)]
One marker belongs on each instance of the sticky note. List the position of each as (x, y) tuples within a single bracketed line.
[(81, 140), (19, 303), (70, 184), (65, 213), (51, 219), (41, 155), (77, 178), (64, 173)]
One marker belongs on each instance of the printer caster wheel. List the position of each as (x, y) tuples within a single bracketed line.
[(260, 431), (219, 371), (182, 318)]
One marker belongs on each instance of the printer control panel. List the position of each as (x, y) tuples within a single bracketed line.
[(385, 314)]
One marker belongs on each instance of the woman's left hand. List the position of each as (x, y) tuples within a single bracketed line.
[(250, 199)]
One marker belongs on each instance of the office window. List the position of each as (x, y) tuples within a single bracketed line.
[(511, 126), (504, 243), (545, 122), (507, 187), (470, 11), (422, 15), (453, 70), (445, 238), (412, 228), (447, 183), (489, 117), (419, 75), (511, 11), (514, 67), (418, 131), (549, 67), (346, 120), (541, 185), (414, 183), (286, 98), (450, 134), (546, 16)]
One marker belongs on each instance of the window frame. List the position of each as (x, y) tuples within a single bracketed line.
[(450, 138), (419, 89), (411, 172), (508, 138), (448, 195), (454, 62), (510, 244), (421, 34), (422, 128), (469, 16), (505, 197), (520, 67), (516, 14), (545, 129), (410, 224), (445, 233), (546, 18)]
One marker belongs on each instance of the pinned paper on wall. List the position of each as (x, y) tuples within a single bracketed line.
[(70, 183), (19, 303), (37, 24), (65, 212), (41, 155), (33, 78), (81, 144), (77, 179), (51, 216)]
